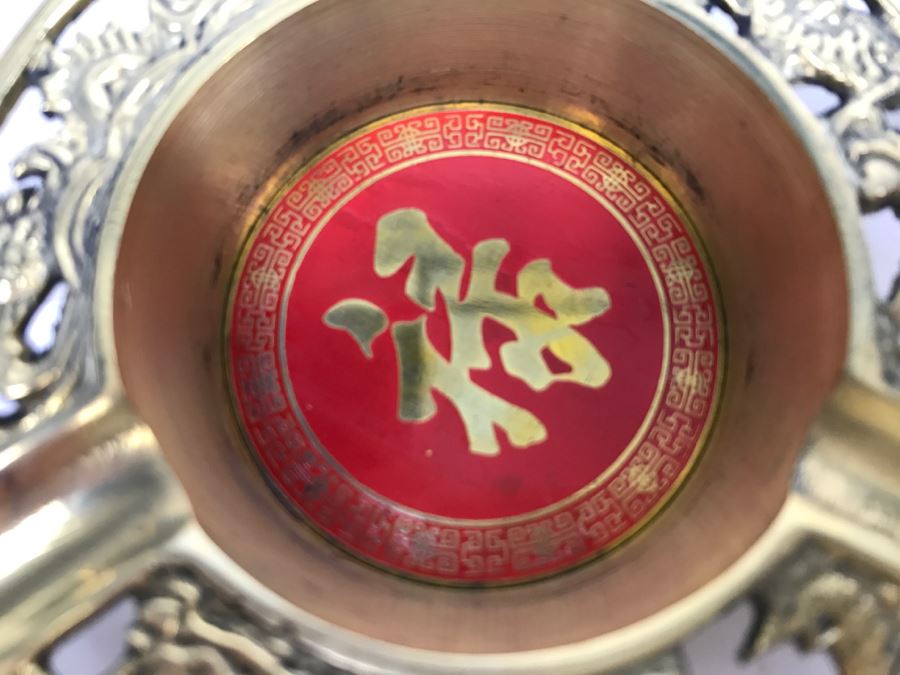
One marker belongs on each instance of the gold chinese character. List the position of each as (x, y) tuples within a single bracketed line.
[(436, 268)]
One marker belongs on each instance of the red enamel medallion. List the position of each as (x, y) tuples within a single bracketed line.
[(474, 344)]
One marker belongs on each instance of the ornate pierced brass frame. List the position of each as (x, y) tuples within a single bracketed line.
[(85, 476)]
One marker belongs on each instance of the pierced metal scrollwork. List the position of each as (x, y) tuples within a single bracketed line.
[(100, 88), (25, 278), (855, 55), (184, 626), (821, 600)]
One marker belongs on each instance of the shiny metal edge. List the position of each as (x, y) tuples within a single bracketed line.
[(805, 518)]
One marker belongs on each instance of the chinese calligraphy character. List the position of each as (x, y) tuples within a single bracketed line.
[(437, 268)]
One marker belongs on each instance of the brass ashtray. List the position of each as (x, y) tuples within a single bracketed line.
[(460, 336)]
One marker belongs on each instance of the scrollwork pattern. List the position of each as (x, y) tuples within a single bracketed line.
[(818, 599), (100, 88), (183, 626), (187, 625), (855, 55), (25, 277), (822, 600)]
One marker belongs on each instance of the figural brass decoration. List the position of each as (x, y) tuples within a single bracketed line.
[(451, 336)]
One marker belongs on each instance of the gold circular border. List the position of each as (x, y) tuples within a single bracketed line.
[(690, 230)]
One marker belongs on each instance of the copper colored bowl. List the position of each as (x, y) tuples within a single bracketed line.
[(622, 68)]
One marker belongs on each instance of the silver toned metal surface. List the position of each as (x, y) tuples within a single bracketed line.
[(101, 89), (665, 664), (97, 523), (852, 54), (104, 89), (25, 279), (889, 335), (184, 626), (855, 56), (821, 600)]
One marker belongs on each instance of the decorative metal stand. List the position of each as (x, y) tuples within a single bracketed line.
[(105, 516)]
